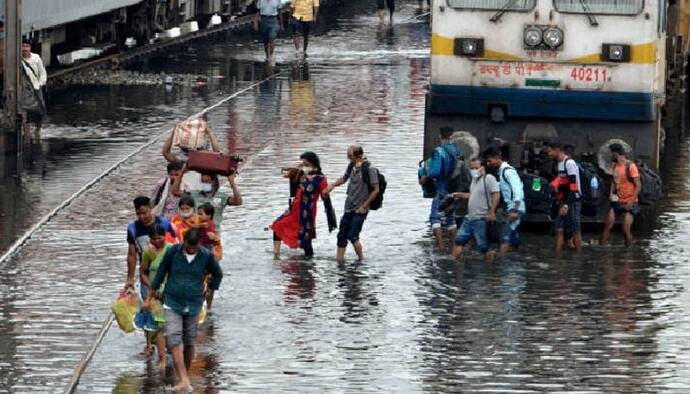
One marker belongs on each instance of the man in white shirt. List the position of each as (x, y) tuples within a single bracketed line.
[(34, 78), (269, 25)]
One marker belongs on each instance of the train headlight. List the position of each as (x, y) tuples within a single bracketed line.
[(553, 37), (469, 47), (619, 53), (533, 36)]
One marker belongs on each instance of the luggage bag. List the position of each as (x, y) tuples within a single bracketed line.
[(212, 163)]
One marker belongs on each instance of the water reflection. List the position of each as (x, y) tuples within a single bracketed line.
[(407, 320), (300, 282)]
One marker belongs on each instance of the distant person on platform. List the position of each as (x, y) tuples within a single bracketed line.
[(382, 6), (625, 190), (440, 170), (268, 22), (304, 14), (34, 79)]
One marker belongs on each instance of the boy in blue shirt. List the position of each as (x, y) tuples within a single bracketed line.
[(440, 169), (513, 197)]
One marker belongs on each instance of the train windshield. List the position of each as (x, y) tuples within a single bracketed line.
[(601, 7), (493, 5)]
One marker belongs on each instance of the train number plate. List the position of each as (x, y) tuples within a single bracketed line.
[(590, 74), (541, 74)]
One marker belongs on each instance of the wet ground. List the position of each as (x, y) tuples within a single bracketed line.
[(407, 320)]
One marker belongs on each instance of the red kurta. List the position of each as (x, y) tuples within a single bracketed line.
[(288, 227)]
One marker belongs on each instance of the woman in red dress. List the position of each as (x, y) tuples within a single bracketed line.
[(297, 226)]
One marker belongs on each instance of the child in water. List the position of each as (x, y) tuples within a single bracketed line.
[(185, 218), (209, 239), (159, 243)]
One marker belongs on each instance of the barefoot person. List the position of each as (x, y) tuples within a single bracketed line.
[(362, 189), (304, 14), (625, 189), (382, 5), (183, 269), (269, 22), (150, 261)]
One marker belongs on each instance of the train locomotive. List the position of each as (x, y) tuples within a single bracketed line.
[(588, 73)]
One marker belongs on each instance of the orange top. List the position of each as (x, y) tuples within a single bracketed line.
[(303, 10), (625, 188)]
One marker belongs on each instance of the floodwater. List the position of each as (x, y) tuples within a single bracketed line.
[(409, 319)]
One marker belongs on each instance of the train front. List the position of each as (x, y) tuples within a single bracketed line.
[(519, 73)]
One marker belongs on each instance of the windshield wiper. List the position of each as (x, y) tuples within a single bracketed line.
[(588, 12), (503, 10)]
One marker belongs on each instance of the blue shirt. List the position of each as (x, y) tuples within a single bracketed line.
[(184, 280), (268, 7), (511, 187), (441, 166), (138, 233)]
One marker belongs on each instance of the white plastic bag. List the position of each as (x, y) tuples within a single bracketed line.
[(191, 134)]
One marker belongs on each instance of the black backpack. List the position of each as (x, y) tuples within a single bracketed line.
[(459, 175), (589, 196), (377, 203), (651, 190), (539, 195)]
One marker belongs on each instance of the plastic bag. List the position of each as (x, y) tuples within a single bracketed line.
[(202, 314), (190, 134), (124, 309), (144, 321)]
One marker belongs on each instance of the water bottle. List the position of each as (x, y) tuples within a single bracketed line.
[(594, 187)]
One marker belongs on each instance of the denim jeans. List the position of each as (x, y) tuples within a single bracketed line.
[(511, 234), (473, 228), (572, 222), (438, 218), (350, 226)]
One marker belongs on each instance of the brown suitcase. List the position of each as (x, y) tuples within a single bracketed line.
[(211, 163)]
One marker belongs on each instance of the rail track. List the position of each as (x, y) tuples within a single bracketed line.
[(241, 22)]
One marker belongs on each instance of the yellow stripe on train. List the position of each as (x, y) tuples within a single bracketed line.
[(639, 53)]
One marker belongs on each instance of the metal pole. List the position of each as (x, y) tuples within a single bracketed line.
[(13, 45)]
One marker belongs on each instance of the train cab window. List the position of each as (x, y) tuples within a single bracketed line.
[(600, 7), (494, 5)]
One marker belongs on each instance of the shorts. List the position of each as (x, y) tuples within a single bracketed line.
[(383, 4), (269, 27), (619, 208), (439, 218), (511, 233), (350, 226), (300, 27), (473, 228), (572, 222), (180, 329)]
